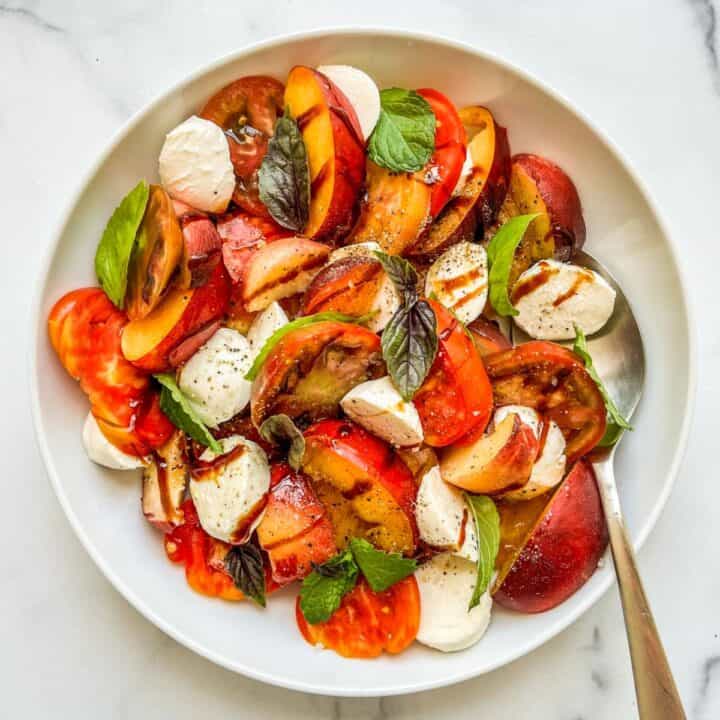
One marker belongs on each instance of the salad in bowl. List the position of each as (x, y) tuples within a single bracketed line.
[(343, 341)]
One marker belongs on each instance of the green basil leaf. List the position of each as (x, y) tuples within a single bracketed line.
[(284, 176), (181, 413), (112, 256), (323, 589), (404, 137), (487, 528), (409, 345), (244, 564), (281, 430), (501, 252), (403, 275), (616, 422), (296, 324), (381, 569)]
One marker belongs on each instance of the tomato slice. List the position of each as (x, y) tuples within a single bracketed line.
[(553, 380), (456, 397), (367, 622), (247, 110), (450, 148)]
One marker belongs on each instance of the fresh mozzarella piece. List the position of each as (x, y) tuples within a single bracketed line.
[(458, 279), (101, 451), (363, 249), (195, 165), (553, 297), (446, 584), (269, 321), (443, 518), (467, 168), (227, 496), (548, 469), (360, 89), (526, 415), (379, 407), (385, 305), (213, 379)]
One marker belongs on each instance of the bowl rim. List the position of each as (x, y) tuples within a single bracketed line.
[(34, 347)]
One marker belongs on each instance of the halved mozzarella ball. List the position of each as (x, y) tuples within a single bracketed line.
[(101, 451), (443, 518), (363, 249), (553, 297), (360, 89), (195, 165), (446, 584), (213, 379), (527, 415), (458, 279), (379, 407), (265, 325), (229, 495)]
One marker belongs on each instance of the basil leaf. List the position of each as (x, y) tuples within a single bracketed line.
[(281, 430), (487, 528), (616, 422), (501, 252), (323, 589), (381, 570), (181, 413), (402, 273), (404, 137), (112, 256), (244, 564), (296, 324), (284, 176), (409, 345)]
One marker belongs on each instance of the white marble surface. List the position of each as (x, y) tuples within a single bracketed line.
[(72, 72)]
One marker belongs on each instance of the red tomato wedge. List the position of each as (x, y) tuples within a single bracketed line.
[(456, 397), (553, 380), (367, 622), (450, 148)]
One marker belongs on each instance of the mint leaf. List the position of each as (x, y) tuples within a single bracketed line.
[(501, 252), (296, 324), (616, 423), (281, 430), (284, 176), (323, 589), (112, 256), (181, 414), (244, 564), (487, 527), (381, 570), (404, 138)]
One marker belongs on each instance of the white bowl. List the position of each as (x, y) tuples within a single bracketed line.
[(624, 231)]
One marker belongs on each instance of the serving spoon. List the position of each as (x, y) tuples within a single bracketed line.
[(619, 358)]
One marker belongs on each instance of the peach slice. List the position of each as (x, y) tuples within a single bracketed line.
[(499, 461), (365, 487), (281, 269), (164, 483), (553, 546), (395, 210), (335, 150)]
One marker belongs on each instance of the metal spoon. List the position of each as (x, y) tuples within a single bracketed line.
[(619, 358)]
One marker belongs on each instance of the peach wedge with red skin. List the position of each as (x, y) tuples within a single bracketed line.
[(335, 150), (365, 487), (497, 462), (561, 550)]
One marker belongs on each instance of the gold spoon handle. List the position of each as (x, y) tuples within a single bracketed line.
[(657, 695)]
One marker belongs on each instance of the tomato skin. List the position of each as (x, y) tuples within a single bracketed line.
[(554, 381), (367, 622), (456, 397), (450, 148), (85, 330)]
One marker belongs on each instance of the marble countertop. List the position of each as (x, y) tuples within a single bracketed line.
[(71, 72)]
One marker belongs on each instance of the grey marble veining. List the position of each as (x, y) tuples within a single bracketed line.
[(71, 72)]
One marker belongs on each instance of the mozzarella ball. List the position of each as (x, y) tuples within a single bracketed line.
[(101, 451)]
